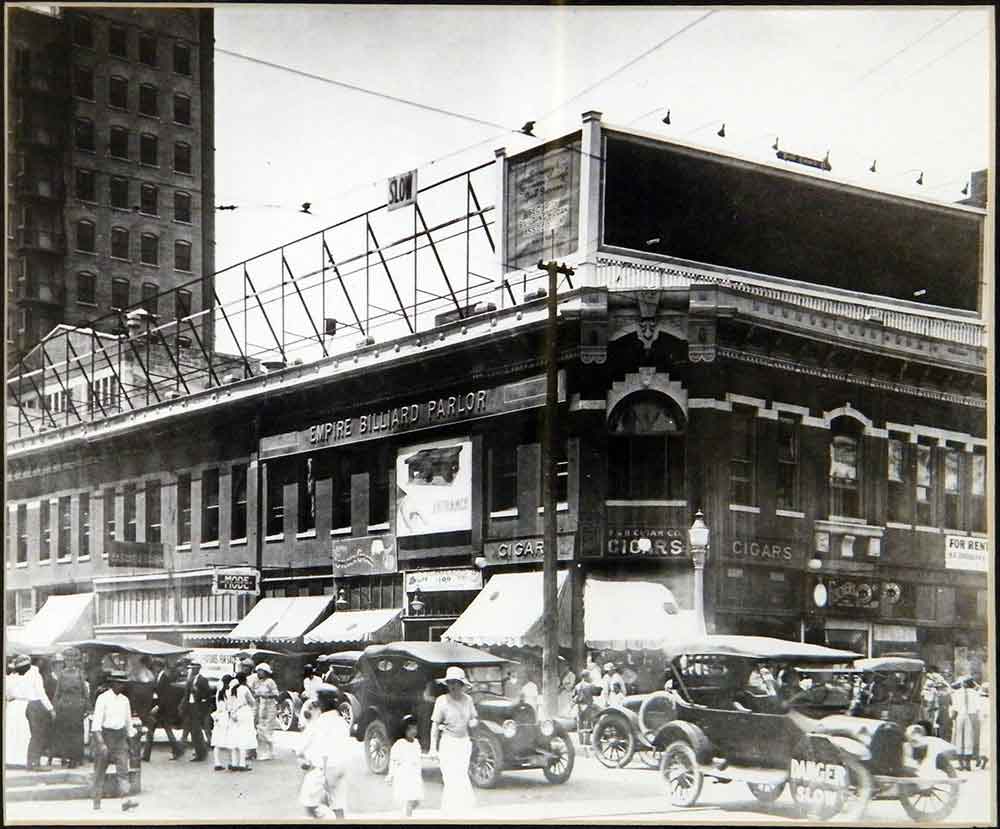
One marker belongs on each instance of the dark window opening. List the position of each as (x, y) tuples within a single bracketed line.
[(182, 109), (85, 135), (182, 255), (147, 50), (238, 508), (22, 533), (210, 505), (743, 457), (44, 530), (184, 508), (85, 237), (65, 525), (83, 32), (503, 475), (154, 509), (150, 301), (182, 207), (845, 468), (86, 185), (118, 143), (378, 499), (340, 481), (129, 497), (275, 519), (86, 288), (149, 200), (182, 157), (83, 83), (788, 462), (119, 243), (149, 150), (118, 42), (182, 304), (897, 508), (646, 448), (150, 249), (84, 538), (118, 92), (149, 103), (118, 192), (119, 294), (182, 59), (306, 495)]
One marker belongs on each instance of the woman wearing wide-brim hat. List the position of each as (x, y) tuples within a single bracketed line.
[(265, 690), (450, 740)]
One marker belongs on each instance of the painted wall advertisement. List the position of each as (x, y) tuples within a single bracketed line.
[(964, 553), (434, 488), (365, 555)]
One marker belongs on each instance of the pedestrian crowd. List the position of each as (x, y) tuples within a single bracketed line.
[(959, 712)]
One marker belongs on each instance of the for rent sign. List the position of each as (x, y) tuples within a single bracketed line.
[(964, 553)]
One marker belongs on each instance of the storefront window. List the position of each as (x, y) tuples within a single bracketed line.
[(788, 462), (646, 448), (130, 513), (153, 511), (307, 495), (184, 509), (925, 485), (210, 505), (977, 491), (373, 593), (238, 507), (897, 489), (952, 489), (845, 468)]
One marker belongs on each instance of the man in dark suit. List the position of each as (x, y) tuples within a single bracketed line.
[(196, 702), (163, 712)]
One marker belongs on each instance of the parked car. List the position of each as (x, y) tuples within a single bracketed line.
[(287, 673), (724, 726), (621, 732), (341, 669), (404, 678)]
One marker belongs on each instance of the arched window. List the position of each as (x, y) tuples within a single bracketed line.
[(150, 251), (119, 243), (85, 238), (646, 448), (845, 467), (182, 255), (182, 207), (149, 103)]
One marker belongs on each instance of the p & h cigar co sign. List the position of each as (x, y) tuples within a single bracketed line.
[(413, 416)]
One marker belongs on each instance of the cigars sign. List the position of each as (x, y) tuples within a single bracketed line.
[(412, 416)]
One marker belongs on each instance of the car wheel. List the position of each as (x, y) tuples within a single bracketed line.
[(934, 802), (613, 742), (679, 768), (560, 765), (486, 761), (766, 792), (849, 804), (650, 758), (377, 747), (285, 714)]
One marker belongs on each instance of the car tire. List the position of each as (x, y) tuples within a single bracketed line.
[(862, 788), (680, 771), (920, 805), (486, 761), (377, 747), (613, 741), (285, 714), (650, 758), (558, 769), (766, 792)]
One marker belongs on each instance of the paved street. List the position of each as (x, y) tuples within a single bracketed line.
[(187, 791)]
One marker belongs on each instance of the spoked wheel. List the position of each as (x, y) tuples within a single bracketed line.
[(847, 803), (651, 758), (766, 792), (613, 742), (560, 765), (377, 747), (934, 802), (286, 714), (679, 768), (486, 761)]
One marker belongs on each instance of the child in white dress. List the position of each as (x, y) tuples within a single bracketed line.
[(405, 774), (221, 726)]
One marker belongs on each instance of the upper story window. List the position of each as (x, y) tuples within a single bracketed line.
[(184, 508), (83, 82), (110, 522), (182, 255), (118, 143), (306, 481), (84, 527), (118, 192), (340, 474), (925, 482), (149, 150), (150, 301), (182, 303), (119, 293), (953, 488), (977, 491), (561, 461), (788, 462), (182, 207), (182, 58), (129, 498), (154, 509), (210, 505), (150, 249), (238, 503), (845, 468), (149, 100), (118, 41), (119, 243), (743, 456), (182, 157), (898, 506), (22, 534), (86, 239), (149, 200), (86, 288), (44, 530), (182, 109), (83, 32), (147, 50), (65, 525), (86, 185), (646, 448), (378, 498), (503, 474), (276, 473), (117, 92), (84, 135)]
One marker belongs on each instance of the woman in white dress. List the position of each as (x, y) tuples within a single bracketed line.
[(17, 734), (221, 726), (243, 734), (405, 772), (450, 741)]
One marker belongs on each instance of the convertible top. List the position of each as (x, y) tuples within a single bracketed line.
[(436, 653), (890, 663), (340, 658), (149, 647), (759, 647)]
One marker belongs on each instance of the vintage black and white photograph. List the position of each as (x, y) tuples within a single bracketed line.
[(508, 413)]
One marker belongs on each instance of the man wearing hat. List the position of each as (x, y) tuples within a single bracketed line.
[(196, 702), (322, 756), (163, 711), (111, 730), (453, 713)]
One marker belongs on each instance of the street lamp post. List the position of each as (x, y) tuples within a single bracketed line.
[(698, 537)]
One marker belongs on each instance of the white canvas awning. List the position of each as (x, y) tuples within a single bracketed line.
[(358, 626), (634, 615), (61, 619), (280, 619)]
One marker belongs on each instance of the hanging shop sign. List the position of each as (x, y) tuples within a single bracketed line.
[(964, 553), (135, 554), (646, 542), (413, 415), (436, 581), (434, 488), (402, 190), (532, 548), (236, 580), (365, 555), (852, 593)]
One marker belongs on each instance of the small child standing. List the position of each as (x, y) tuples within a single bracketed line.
[(405, 774)]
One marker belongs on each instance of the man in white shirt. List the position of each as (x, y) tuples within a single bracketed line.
[(322, 756), (111, 728), (39, 713)]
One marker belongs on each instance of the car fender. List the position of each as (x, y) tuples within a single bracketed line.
[(364, 720), (488, 725), (936, 749), (845, 745), (624, 713), (689, 733)]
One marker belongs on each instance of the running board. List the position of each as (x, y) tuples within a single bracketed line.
[(746, 774)]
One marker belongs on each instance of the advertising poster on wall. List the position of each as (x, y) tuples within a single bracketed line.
[(434, 488)]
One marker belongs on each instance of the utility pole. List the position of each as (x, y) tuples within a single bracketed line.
[(550, 598)]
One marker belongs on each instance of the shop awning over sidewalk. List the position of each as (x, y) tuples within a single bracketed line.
[(633, 615), (60, 619), (358, 626), (508, 612), (280, 619)]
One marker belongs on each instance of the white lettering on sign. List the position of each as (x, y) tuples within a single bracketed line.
[(760, 549), (402, 190), (430, 581), (817, 772), (964, 553)]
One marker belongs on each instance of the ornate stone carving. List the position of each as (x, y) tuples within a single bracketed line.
[(647, 378)]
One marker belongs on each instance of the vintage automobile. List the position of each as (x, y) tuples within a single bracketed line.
[(340, 669), (287, 673), (621, 732), (404, 677), (428, 464), (725, 725)]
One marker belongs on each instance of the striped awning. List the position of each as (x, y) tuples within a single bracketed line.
[(281, 619), (61, 619), (358, 626)]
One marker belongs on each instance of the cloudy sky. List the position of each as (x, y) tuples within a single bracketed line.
[(908, 87)]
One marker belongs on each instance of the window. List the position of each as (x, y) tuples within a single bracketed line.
[(130, 512), (84, 538), (952, 489), (182, 109), (149, 200), (86, 288), (184, 509), (86, 185), (182, 304), (65, 525), (378, 498), (119, 293), (118, 144), (210, 505), (275, 519), (150, 250), (85, 239), (898, 491), (561, 493), (83, 82), (182, 255), (182, 59), (149, 297), (149, 103), (925, 483), (119, 243), (306, 495), (742, 463), (788, 462), (238, 501), (22, 534), (340, 468), (182, 157), (117, 92), (118, 42), (977, 492), (147, 50), (44, 530), (845, 468), (154, 509), (149, 150), (182, 208), (85, 135), (503, 475), (118, 192), (646, 448), (83, 32)]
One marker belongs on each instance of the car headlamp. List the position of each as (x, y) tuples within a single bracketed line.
[(548, 728), (509, 729)]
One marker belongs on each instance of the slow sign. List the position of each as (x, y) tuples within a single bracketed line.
[(236, 581), (402, 190)]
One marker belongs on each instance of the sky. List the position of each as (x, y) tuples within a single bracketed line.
[(910, 87)]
